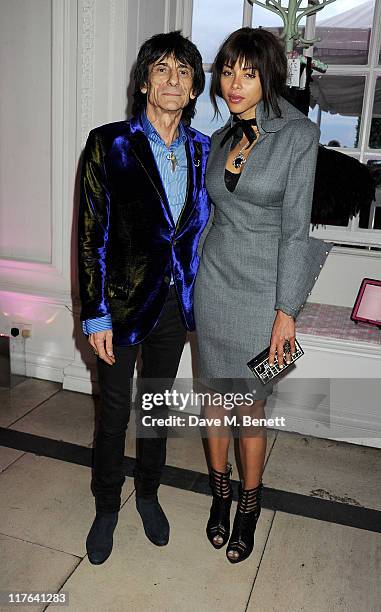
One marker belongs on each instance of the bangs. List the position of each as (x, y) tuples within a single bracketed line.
[(240, 49), (247, 63)]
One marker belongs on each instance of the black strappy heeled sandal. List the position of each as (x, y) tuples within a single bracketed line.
[(241, 542), (218, 527)]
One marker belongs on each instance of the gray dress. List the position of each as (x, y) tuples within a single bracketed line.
[(256, 253)]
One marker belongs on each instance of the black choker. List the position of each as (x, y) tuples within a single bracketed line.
[(246, 125)]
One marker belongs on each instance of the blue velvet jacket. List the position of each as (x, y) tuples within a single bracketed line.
[(128, 243)]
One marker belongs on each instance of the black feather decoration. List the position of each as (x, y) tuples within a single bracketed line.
[(343, 185)]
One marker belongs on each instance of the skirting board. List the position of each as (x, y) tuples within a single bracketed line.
[(80, 377), (353, 419), (45, 367)]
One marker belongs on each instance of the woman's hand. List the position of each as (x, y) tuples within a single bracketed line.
[(101, 343), (283, 329)]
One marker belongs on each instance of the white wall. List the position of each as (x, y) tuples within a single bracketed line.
[(25, 128), (65, 66)]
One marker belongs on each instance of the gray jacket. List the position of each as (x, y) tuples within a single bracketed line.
[(275, 195)]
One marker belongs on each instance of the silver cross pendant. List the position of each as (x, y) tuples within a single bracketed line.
[(172, 158)]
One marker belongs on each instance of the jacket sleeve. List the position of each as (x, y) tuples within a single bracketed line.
[(93, 225), (299, 256)]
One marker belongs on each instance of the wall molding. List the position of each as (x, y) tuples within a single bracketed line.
[(86, 31), (183, 17), (31, 276), (339, 346)]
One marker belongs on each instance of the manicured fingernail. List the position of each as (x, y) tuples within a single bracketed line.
[(288, 362), (281, 366)]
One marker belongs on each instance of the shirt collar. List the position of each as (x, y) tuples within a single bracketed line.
[(152, 134)]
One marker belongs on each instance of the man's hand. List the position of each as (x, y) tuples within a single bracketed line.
[(101, 343), (283, 329)]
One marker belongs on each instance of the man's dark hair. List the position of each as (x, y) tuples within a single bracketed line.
[(262, 51), (161, 46)]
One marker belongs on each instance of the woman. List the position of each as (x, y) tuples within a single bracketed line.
[(258, 263)]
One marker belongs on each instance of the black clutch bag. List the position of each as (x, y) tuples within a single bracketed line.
[(261, 368)]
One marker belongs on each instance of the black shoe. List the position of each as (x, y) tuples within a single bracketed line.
[(155, 522), (218, 527), (100, 538), (241, 542)]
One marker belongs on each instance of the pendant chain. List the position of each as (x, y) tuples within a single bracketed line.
[(240, 158)]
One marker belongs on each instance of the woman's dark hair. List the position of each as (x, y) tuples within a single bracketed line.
[(161, 46), (261, 50)]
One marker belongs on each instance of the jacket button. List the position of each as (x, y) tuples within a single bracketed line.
[(321, 265), (174, 242), (166, 279), (326, 252), (316, 277)]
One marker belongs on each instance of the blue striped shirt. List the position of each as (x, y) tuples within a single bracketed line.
[(174, 183)]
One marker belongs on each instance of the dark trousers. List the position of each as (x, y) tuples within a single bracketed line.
[(161, 353)]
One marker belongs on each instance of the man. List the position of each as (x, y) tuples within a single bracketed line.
[(143, 207)]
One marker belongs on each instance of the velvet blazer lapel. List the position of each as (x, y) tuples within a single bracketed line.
[(141, 149), (194, 157)]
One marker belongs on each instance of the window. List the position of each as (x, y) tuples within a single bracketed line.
[(345, 101), (226, 17), (336, 105)]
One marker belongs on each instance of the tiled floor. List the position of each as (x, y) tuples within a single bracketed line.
[(299, 563)]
